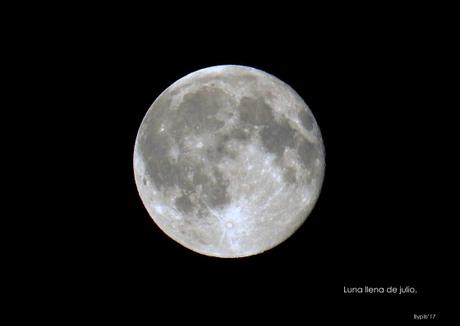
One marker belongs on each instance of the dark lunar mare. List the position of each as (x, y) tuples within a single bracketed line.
[(196, 115)]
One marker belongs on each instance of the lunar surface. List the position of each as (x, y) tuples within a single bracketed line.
[(229, 161)]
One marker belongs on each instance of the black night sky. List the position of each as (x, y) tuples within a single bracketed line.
[(375, 90)]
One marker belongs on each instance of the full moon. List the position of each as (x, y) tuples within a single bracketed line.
[(229, 161)]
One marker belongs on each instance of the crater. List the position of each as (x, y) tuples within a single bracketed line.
[(309, 153), (306, 118)]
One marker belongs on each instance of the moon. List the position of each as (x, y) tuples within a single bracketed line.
[(229, 161)]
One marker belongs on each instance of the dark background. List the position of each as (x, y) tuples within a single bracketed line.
[(376, 89)]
